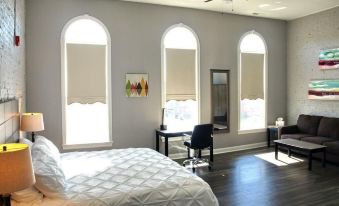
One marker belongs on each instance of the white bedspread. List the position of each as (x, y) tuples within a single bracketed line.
[(130, 177)]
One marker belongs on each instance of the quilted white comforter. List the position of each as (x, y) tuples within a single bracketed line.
[(131, 177)]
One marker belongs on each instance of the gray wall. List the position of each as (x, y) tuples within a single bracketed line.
[(12, 58), (306, 37), (136, 31)]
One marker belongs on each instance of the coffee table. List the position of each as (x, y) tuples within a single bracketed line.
[(307, 147)]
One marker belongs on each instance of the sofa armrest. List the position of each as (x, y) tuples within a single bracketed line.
[(293, 129)]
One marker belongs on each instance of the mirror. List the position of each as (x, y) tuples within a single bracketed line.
[(220, 99)]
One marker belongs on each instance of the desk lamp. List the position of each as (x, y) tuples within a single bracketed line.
[(32, 122), (16, 170)]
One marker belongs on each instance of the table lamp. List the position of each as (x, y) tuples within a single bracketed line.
[(32, 122), (16, 170)]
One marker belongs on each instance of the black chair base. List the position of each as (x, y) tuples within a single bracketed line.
[(195, 163)]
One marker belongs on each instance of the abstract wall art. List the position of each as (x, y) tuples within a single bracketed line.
[(329, 59), (137, 85), (323, 89)]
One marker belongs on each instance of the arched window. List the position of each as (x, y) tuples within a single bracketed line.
[(252, 83), (180, 77), (86, 90)]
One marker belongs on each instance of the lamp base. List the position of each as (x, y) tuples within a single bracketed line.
[(33, 137), (163, 127)]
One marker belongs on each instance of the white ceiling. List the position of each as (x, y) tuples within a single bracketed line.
[(276, 9)]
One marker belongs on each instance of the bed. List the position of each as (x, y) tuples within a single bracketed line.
[(119, 177), (133, 176)]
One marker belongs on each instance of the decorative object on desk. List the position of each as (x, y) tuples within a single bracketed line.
[(137, 85), (280, 122), (32, 122), (329, 59), (16, 170), (163, 126), (323, 90)]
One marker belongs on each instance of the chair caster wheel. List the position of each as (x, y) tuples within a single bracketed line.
[(209, 168), (193, 169), (183, 165)]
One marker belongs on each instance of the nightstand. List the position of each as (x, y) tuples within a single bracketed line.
[(273, 132)]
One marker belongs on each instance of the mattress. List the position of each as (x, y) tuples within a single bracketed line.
[(130, 177)]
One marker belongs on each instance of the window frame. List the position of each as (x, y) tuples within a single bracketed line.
[(64, 86), (258, 130), (163, 67)]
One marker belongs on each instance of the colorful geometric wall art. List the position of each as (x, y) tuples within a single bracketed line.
[(329, 59), (137, 85), (324, 90)]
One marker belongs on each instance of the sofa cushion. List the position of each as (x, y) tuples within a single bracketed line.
[(308, 124), (329, 127), (332, 147), (292, 129), (297, 136), (317, 139)]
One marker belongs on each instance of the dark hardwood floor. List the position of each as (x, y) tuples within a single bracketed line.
[(242, 179)]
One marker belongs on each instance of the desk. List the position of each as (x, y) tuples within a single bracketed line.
[(168, 134)]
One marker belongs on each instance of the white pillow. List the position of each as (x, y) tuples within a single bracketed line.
[(50, 178), (50, 146), (26, 141), (27, 195)]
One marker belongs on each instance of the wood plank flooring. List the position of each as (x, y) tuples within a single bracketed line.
[(243, 179)]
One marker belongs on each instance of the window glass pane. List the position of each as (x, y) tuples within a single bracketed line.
[(181, 114), (180, 38), (252, 43), (86, 102), (252, 114), (252, 78), (86, 31), (180, 55), (87, 123)]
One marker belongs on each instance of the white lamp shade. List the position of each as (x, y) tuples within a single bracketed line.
[(16, 170), (32, 122)]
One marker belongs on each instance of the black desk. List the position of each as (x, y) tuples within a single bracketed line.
[(168, 134)]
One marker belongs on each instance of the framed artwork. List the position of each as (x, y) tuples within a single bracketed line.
[(329, 59), (323, 89), (137, 85)]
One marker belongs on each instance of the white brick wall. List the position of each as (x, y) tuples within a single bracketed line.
[(306, 37), (12, 58)]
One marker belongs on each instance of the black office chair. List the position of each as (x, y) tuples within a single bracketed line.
[(202, 138)]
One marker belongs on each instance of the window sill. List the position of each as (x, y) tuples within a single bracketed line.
[(250, 131), (87, 146)]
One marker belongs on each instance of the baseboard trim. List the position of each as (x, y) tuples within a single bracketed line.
[(223, 150)]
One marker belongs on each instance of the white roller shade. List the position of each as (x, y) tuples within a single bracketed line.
[(86, 77), (180, 74), (252, 76)]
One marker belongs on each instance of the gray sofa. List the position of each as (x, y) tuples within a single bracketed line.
[(318, 130)]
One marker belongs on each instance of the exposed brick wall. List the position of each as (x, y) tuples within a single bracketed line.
[(12, 58), (306, 37)]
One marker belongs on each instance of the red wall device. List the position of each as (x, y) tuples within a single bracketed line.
[(17, 40)]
